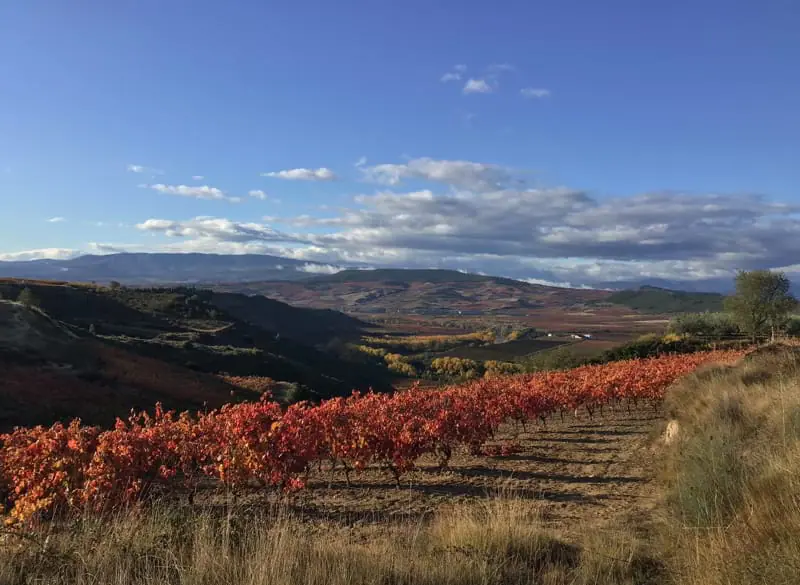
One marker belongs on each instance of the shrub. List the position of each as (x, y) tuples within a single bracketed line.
[(713, 325), (27, 298), (454, 367), (560, 358), (498, 368)]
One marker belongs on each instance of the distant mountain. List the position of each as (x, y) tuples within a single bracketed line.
[(651, 299), (712, 285), (196, 268), (164, 268)]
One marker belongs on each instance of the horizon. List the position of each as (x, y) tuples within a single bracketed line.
[(573, 145), (319, 270)]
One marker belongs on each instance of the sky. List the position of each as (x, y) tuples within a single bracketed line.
[(572, 142)]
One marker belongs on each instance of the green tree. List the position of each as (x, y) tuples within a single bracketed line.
[(762, 302), (27, 298), (793, 327), (713, 325)]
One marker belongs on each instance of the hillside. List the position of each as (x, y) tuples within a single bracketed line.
[(425, 292), (652, 299), (50, 373), (180, 335), (401, 275)]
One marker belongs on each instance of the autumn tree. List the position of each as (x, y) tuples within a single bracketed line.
[(762, 302)]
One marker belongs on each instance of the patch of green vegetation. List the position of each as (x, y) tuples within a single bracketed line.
[(509, 350), (652, 299), (560, 358)]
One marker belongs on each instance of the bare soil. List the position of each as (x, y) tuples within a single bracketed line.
[(580, 472)]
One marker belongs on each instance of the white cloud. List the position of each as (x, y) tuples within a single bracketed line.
[(140, 169), (459, 173), (360, 162), (556, 235), (478, 217), (477, 86), (56, 220), (103, 248), (320, 268), (40, 254), (258, 194), (455, 75), (533, 92), (320, 174), (198, 192), (217, 229), (197, 177)]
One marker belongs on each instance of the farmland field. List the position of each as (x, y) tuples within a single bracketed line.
[(506, 351)]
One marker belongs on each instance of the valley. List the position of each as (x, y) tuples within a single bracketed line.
[(110, 348)]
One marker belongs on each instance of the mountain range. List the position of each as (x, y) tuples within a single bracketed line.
[(195, 268), (156, 268)]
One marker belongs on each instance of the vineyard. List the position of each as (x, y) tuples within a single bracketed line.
[(71, 468)]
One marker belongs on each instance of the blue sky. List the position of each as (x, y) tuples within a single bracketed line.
[(569, 141)]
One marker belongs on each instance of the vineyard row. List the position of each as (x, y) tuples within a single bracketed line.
[(73, 467)]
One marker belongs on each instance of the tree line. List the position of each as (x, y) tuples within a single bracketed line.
[(761, 307)]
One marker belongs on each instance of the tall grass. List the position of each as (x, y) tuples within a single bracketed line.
[(499, 542), (734, 473)]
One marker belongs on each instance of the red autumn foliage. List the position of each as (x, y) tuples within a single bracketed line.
[(68, 468)]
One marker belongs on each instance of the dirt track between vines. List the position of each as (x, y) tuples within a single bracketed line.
[(579, 472)]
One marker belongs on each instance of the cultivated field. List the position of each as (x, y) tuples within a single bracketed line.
[(642, 493), (506, 351)]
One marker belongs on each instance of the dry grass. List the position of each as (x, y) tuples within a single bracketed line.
[(734, 473), (732, 517), (500, 542)]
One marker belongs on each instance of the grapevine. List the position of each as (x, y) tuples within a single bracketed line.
[(69, 468)]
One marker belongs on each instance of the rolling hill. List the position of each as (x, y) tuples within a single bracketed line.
[(651, 299), (427, 292), (104, 350), (51, 373)]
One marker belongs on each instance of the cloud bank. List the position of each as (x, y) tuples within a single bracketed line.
[(482, 217)]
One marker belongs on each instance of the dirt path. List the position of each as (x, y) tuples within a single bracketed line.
[(580, 472)]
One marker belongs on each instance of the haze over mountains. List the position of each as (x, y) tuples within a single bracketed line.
[(154, 268), (197, 268)]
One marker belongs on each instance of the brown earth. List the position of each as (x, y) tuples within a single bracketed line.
[(379, 297), (578, 473)]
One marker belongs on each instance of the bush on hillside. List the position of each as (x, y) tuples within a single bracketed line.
[(27, 298), (648, 346), (711, 325), (497, 368), (793, 326), (560, 358), (453, 367)]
